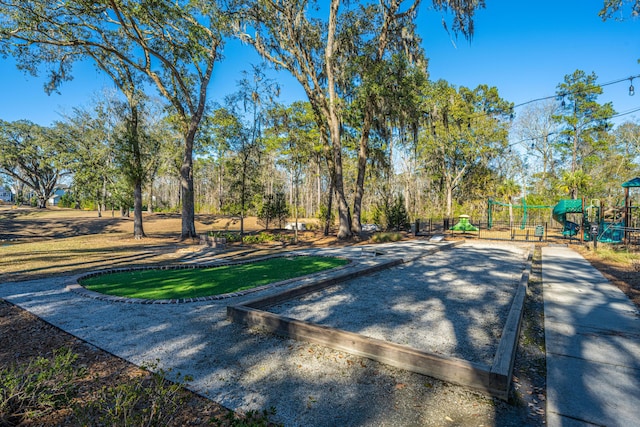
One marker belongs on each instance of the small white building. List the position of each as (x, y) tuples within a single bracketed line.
[(55, 197), (6, 195), (292, 226)]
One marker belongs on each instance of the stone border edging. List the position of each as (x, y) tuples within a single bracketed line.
[(81, 290), (493, 380)]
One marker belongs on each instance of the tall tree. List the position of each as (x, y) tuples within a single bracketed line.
[(241, 122), (90, 154), (538, 134), (115, 139), (465, 130), (315, 51), (377, 77), (216, 137), (173, 44), (32, 155), (508, 189), (618, 164), (583, 119), (136, 147), (628, 142), (292, 136), (387, 96)]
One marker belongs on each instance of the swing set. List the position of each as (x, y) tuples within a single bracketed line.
[(524, 208), (526, 227)]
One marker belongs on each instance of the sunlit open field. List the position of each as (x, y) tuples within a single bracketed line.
[(41, 242)]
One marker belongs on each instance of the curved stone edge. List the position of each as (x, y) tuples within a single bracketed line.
[(77, 288)]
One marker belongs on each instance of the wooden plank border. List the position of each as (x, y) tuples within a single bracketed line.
[(493, 380), (506, 354)]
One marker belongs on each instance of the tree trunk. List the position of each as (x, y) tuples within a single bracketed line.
[(449, 193), (243, 193), (318, 184), (42, 202), (291, 185), (344, 217), (327, 220), (137, 172), (150, 199), (138, 231), (295, 209), (103, 197), (186, 187), (220, 190), (344, 228), (356, 226)]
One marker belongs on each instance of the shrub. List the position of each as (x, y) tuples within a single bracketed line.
[(324, 214), (37, 388), (397, 217), (228, 235), (250, 419), (386, 237), (258, 238), (312, 225), (274, 209), (377, 215), (264, 237), (67, 200)]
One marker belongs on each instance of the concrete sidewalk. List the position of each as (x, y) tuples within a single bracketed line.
[(592, 333)]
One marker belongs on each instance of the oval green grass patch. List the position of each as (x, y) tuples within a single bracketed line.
[(202, 282)]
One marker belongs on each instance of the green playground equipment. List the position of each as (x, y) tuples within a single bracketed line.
[(593, 221), (524, 206), (560, 211), (464, 224)]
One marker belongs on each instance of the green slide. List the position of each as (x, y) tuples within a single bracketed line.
[(560, 212)]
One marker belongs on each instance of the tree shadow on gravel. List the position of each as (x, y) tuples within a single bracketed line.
[(454, 303), (244, 369)]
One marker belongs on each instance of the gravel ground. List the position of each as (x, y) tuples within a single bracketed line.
[(453, 303), (307, 384)]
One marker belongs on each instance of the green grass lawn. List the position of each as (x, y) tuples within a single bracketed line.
[(201, 282)]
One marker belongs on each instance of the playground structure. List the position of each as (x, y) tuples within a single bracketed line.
[(464, 225), (596, 223), (524, 208), (525, 222), (613, 225), (580, 219)]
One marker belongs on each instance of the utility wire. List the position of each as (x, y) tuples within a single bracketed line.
[(561, 95), (630, 78), (533, 138)]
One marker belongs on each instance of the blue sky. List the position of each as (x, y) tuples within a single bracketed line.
[(525, 48)]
